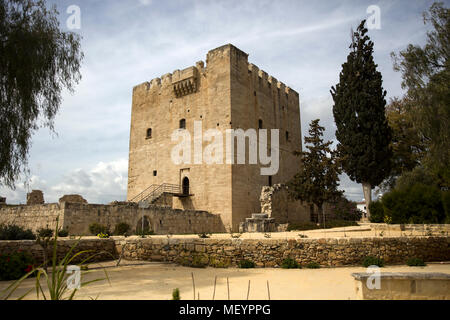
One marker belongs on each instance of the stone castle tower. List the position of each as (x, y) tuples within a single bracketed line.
[(227, 93)]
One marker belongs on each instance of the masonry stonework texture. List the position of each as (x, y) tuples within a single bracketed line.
[(227, 93), (264, 252), (35, 197), (76, 217)]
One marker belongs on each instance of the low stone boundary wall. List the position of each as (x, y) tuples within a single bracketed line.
[(403, 286), (263, 252), (434, 228), (104, 249), (270, 253)]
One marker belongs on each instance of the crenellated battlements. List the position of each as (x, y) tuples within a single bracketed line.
[(268, 80), (186, 81), (182, 81)]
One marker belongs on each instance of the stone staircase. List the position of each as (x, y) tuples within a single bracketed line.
[(155, 192)]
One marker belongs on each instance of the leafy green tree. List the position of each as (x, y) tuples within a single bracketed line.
[(415, 176), (37, 60), (359, 113), (426, 76), (407, 144), (417, 204), (318, 178)]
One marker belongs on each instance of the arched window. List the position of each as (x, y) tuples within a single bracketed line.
[(183, 124), (260, 124), (149, 133), (186, 186)]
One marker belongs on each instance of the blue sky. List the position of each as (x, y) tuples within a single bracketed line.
[(302, 43)]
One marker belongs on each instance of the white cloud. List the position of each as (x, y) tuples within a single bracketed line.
[(105, 182), (301, 43)]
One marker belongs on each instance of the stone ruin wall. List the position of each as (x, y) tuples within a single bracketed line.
[(162, 220), (76, 217), (35, 197), (32, 217), (275, 202)]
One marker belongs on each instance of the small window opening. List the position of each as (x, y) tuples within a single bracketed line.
[(149, 133), (155, 173), (183, 124), (260, 124)]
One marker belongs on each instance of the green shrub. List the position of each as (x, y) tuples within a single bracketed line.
[(197, 261), (313, 226), (102, 235), (45, 233), (95, 229), (346, 210), (446, 205), (302, 226), (246, 264), (145, 232), (373, 261), (14, 266), (339, 223), (13, 232), (290, 263), (219, 263), (418, 175), (418, 204), (121, 229), (63, 233), (176, 294), (376, 212), (313, 265), (415, 262)]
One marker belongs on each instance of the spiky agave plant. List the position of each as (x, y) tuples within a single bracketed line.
[(58, 279)]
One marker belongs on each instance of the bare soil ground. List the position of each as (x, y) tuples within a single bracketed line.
[(155, 281)]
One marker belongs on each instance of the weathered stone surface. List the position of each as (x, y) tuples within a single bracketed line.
[(76, 217), (35, 197), (269, 253), (226, 93), (74, 198)]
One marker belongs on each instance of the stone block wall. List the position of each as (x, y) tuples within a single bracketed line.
[(161, 220), (32, 217), (270, 253), (76, 217), (35, 197), (434, 228), (264, 252), (275, 202)]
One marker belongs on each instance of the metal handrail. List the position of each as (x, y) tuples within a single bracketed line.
[(163, 188), (156, 191), (142, 194)]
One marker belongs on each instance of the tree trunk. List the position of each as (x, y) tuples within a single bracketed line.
[(367, 189), (322, 214)]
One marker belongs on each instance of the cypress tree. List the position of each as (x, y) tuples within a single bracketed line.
[(318, 178), (362, 131)]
